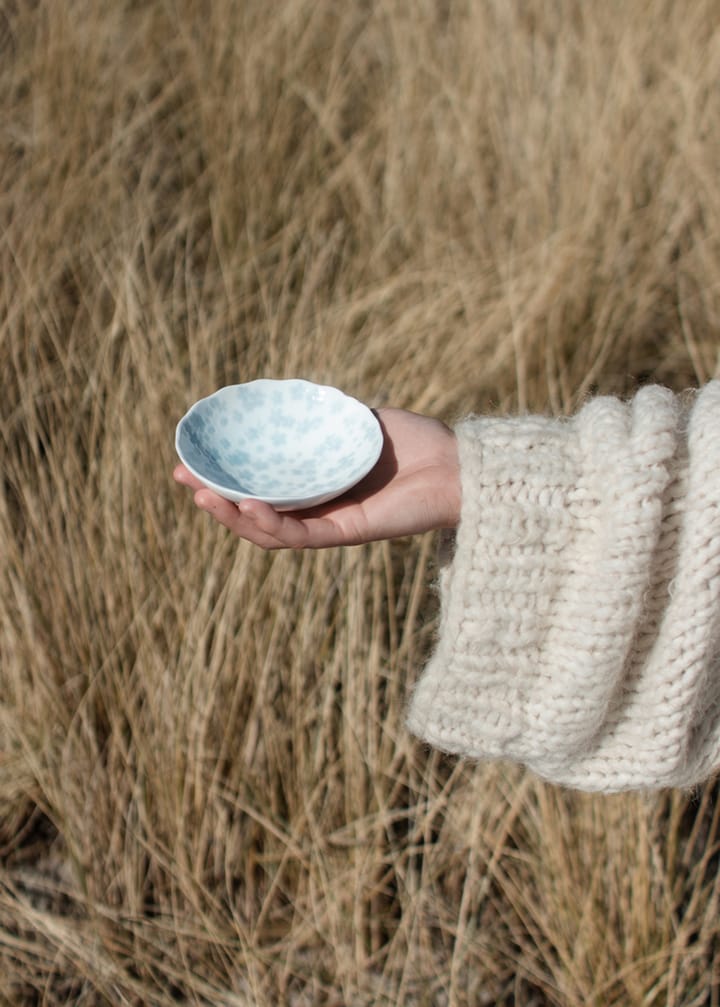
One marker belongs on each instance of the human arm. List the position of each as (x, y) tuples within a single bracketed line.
[(580, 626)]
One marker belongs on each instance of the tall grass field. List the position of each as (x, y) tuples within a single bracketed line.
[(208, 795)]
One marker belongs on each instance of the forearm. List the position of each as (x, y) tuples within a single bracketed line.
[(581, 610)]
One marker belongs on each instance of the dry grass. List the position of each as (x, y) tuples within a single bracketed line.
[(207, 793)]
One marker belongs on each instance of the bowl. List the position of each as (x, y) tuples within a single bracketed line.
[(293, 443)]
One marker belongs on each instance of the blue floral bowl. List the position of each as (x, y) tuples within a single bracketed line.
[(293, 444)]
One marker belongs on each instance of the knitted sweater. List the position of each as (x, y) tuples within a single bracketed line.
[(580, 624)]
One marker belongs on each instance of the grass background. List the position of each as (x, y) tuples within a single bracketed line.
[(207, 793)]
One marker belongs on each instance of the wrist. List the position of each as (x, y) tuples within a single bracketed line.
[(447, 484), (452, 485)]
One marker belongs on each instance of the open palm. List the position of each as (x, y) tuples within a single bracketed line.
[(413, 488)]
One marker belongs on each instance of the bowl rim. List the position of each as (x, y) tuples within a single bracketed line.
[(332, 491)]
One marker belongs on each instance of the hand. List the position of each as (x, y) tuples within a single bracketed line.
[(413, 488)]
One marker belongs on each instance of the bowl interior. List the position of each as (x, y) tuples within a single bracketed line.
[(280, 441)]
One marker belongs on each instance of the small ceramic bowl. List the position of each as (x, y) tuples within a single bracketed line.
[(293, 444)]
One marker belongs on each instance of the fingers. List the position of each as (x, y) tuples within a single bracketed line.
[(312, 529), (223, 511), (252, 520), (245, 524), (261, 524), (185, 477), (278, 530)]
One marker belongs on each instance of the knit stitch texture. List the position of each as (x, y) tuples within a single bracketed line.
[(580, 623)]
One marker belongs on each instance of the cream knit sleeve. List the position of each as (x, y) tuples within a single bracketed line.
[(580, 625)]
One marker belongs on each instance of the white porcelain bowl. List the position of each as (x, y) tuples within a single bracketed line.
[(293, 444)]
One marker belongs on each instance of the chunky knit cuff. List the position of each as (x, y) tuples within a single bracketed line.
[(580, 626)]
